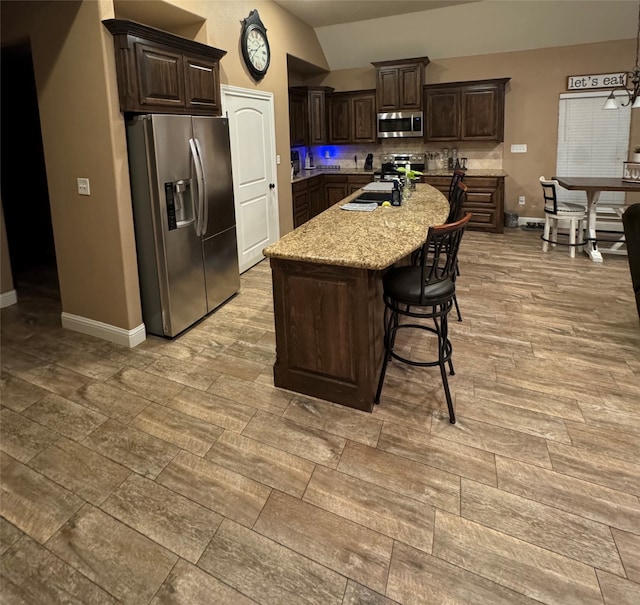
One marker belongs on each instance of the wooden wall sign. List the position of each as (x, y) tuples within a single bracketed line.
[(597, 81)]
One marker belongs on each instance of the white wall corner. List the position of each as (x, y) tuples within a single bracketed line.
[(120, 336), (8, 298)]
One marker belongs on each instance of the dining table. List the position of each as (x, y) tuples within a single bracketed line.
[(593, 186)]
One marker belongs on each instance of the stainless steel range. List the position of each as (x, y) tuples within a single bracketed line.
[(392, 161)]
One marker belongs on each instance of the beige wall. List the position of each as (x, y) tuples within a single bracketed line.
[(538, 77), (83, 130), (84, 136)]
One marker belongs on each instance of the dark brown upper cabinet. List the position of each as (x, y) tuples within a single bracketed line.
[(161, 72), (307, 115), (352, 117), (399, 84), (465, 111)]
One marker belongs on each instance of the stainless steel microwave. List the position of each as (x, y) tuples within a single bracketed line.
[(400, 124)]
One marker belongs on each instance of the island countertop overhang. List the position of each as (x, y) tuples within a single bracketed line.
[(364, 240)]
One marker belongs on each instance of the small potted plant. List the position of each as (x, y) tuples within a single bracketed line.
[(411, 176), (635, 156)]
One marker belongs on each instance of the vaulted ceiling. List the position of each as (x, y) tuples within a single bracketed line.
[(353, 33)]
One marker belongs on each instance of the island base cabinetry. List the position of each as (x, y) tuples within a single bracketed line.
[(329, 331)]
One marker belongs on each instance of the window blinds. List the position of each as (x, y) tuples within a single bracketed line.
[(591, 142)]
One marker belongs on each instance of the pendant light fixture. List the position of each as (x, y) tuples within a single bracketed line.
[(633, 78)]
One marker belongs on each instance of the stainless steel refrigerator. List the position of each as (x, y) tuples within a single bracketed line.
[(184, 217)]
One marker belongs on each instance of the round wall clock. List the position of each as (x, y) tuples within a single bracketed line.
[(255, 46)]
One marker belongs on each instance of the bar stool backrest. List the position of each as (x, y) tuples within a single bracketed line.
[(457, 177), (456, 202), (440, 253), (549, 194)]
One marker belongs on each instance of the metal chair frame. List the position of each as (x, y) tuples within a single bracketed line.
[(434, 277)]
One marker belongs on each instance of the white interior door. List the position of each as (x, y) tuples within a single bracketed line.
[(252, 134)]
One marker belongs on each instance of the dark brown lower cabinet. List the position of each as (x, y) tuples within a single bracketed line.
[(313, 196), (329, 331), (335, 188), (357, 181), (300, 194), (485, 199), (317, 200)]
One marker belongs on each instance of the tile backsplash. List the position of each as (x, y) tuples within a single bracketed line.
[(479, 155)]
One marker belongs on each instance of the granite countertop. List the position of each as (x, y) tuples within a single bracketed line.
[(364, 240), (307, 174)]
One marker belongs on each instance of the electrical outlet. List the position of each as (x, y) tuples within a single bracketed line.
[(83, 187), (518, 149), (521, 200), (278, 159)]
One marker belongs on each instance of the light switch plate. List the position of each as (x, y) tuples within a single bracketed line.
[(518, 148)]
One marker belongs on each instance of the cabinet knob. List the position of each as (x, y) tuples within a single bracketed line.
[(272, 185)]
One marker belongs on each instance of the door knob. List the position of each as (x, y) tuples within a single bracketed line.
[(272, 185)]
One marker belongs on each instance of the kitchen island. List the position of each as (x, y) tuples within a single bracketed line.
[(327, 291)]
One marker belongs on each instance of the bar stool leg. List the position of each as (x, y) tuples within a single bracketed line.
[(572, 238), (455, 302), (581, 235), (545, 234), (389, 338), (442, 331), (554, 232)]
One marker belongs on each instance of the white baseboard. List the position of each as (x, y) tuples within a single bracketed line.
[(127, 338), (8, 298)]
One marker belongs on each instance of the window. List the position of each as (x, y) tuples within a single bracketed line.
[(591, 142)]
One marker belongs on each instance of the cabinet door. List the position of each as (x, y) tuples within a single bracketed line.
[(297, 118), (364, 118), (387, 88), (485, 201), (335, 189), (442, 119), (439, 182), (481, 111), (300, 195), (317, 118), (160, 77), (410, 87), (339, 115), (355, 182), (202, 85), (317, 203)]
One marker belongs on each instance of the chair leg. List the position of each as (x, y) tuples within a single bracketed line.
[(389, 338), (545, 234), (455, 302), (581, 235), (442, 353), (572, 237), (554, 232)]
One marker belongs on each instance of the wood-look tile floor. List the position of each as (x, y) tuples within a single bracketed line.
[(176, 472)]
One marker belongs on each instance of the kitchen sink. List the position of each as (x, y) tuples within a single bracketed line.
[(374, 196)]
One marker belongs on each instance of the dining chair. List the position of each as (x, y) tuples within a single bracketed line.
[(424, 292), (554, 212)]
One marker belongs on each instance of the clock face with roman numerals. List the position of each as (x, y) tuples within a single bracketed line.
[(255, 46)]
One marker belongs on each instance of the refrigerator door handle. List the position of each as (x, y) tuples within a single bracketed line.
[(204, 203), (200, 178)]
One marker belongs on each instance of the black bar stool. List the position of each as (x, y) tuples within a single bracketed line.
[(425, 291)]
